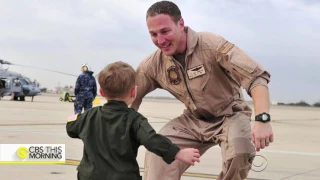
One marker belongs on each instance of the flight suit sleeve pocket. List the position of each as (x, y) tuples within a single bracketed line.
[(235, 57), (146, 127), (243, 62)]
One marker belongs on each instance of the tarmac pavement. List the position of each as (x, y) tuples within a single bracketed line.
[(294, 155)]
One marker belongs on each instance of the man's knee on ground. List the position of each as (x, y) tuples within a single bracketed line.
[(242, 161), (237, 167), (239, 155)]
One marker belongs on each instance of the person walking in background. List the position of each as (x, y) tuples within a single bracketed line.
[(85, 90)]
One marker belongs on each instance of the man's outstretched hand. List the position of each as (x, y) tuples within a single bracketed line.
[(188, 155), (262, 135)]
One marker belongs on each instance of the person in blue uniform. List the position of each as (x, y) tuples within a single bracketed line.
[(112, 133), (85, 90), (16, 88)]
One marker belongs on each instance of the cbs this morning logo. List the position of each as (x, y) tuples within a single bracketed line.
[(22, 152), (32, 154), (40, 152)]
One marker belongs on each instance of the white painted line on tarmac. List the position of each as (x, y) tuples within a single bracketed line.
[(292, 152), (36, 132), (65, 134), (285, 152)]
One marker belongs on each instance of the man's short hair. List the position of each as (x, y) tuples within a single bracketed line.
[(117, 79), (165, 7)]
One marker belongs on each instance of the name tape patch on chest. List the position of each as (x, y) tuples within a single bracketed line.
[(196, 71)]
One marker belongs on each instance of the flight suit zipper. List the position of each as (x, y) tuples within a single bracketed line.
[(184, 74)]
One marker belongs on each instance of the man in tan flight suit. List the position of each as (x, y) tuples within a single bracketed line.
[(205, 72)]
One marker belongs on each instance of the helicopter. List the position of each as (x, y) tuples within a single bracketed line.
[(13, 82), (21, 86)]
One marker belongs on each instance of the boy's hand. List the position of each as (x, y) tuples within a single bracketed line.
[(188, 155)]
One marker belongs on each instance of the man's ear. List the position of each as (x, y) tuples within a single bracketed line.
[(181, 23)]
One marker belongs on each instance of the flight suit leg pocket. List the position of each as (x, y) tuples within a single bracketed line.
[(239, 136), (179, 130), (146, 127), (184, 132), (174, 131)]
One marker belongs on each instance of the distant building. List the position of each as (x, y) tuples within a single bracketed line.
[(274, 102)]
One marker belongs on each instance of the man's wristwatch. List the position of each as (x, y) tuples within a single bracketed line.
[(263, 117)]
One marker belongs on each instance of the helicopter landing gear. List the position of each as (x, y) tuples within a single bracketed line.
[(21, 98)]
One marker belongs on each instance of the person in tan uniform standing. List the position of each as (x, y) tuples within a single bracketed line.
[(205, 72)]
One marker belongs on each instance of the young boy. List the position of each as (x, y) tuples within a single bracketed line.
[(112, 133)]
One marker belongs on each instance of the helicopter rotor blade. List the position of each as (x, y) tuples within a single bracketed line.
[(44, 69), (5, 62)]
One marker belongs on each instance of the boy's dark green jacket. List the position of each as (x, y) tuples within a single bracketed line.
[(111, 135)]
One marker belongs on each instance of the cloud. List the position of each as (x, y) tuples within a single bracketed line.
[(61, 35)]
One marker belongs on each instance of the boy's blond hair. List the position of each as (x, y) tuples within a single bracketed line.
[(117, 79)]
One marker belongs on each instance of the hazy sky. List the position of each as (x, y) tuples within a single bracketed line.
[(283, 35)]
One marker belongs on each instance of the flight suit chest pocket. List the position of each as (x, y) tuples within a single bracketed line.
[(198, 77), (216, 90)]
